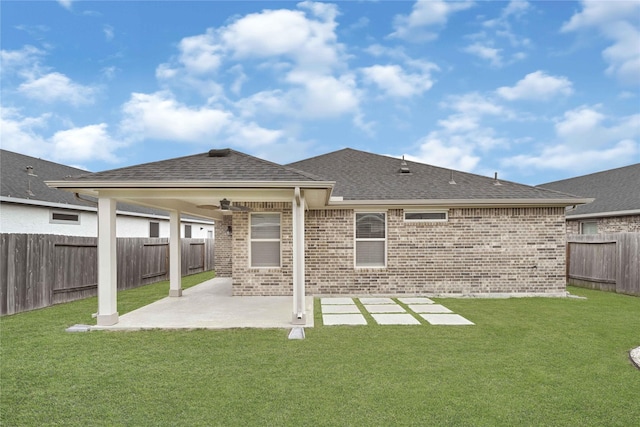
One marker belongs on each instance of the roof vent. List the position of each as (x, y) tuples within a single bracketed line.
[(224, 152), (404, 168), (30, 171), (495, 179), (451, 180)]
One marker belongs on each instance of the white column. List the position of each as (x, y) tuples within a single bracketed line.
[(107, 263), (175, 263), (299, 309)]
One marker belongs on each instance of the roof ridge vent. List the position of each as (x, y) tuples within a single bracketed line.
[(404, 168), (222, 152)]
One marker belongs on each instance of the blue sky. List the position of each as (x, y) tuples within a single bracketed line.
[(537, 91)]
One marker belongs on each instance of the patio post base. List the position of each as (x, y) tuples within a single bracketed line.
[(107, 319), (297, 320), (175, 292)]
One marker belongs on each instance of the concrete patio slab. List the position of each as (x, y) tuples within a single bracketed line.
[(343, 319), (336, 301), (415, 300), (376, 300), (210, 305), (446, 319), (340, 309), (395, 319), (429, 308), (384, 308)]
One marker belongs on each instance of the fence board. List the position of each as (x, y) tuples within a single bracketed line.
[(38, 270), (605, 261)]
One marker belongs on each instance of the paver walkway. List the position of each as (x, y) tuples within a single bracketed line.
[(386, 311)]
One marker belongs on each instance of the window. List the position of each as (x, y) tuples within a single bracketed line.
[(265, 240), (427, 216), (371, 242), (64, 217), (187, 231), (590, 227), (154, 229)]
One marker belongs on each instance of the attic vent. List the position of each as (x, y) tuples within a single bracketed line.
[(224, 152), (404, 168)]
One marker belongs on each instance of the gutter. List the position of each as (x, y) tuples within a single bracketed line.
[(605, 214), (189, 184), (562, 202)]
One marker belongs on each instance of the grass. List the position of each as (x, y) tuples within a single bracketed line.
[(533, 361)]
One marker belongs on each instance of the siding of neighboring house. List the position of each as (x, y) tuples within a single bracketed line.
[(613, 224), (33, 219), (489, 250)]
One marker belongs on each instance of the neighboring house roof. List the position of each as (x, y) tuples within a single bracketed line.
[(18, 185), (616, 192), (365, 176)]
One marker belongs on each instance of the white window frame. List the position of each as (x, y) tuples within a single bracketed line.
[(429, 211), (279, 240), (582, 223), (356, 239), (53, 212)]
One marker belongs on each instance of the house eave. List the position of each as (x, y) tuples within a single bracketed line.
[(187, 184), (605, 214), (458, 203)]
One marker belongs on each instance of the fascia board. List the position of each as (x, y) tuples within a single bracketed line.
[(604, 214), (188, 184), (461, 203)]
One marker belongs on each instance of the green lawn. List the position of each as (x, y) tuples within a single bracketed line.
[(534, 361)]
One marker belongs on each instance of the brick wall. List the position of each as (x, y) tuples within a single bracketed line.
[(511, 250), (476, 251), (615, 224), (223, 249), (262, 281)]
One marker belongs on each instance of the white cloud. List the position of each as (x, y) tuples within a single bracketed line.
[(567, 158), (160, 116), (108, 32), (491, 54), (537, 86), (24, 61), (395, 81), (200, 54), (425, 14), (85, 143), (616, 21), (88, 143), (56, 87), (66, 3), (585, 126), (437, 152), (473, 104)]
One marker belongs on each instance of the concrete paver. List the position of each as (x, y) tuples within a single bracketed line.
[(446, 319), (384, 308), (340, 309), (415, 300), (336, 300), (376, 300), (395, 319), (343, 319), (429, 308)]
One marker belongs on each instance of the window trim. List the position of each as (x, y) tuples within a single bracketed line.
[(582, 223), (377, 239), (439, 211), (53, 212), (251, 240)]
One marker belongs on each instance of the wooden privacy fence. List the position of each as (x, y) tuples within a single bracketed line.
[(38, 270), (609, 262)]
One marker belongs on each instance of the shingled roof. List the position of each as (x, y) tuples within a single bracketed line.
[(18, 185), (614, 191), (216, 165), (365, 176)]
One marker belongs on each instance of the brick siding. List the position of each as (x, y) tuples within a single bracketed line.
[(506, 250), (614, 224), (223, 250)]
